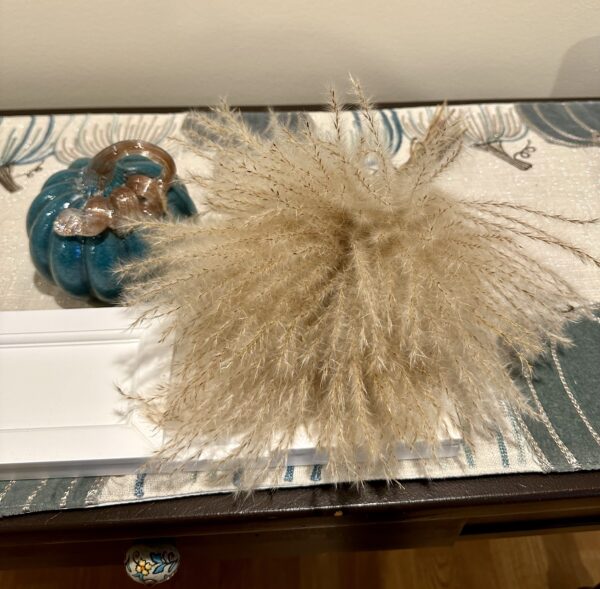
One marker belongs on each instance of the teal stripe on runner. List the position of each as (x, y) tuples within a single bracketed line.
[(469, 456), (503, 450)]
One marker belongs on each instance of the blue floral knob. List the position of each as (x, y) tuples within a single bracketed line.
[(151, 565)]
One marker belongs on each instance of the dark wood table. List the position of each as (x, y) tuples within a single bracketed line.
[(311, 519), (314, 519)]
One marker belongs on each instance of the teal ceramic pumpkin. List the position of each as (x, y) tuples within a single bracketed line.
[(77, 223)]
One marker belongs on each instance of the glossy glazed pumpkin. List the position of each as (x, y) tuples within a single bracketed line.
[(82, 261)]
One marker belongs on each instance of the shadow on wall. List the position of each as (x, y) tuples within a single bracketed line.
[(579, 72)]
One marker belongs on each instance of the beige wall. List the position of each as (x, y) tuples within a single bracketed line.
[(117, 53)]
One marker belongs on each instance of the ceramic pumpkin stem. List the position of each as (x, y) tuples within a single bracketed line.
[(104, 162), (141, 196)]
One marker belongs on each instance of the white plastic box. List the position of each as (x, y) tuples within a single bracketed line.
[(61, 413)]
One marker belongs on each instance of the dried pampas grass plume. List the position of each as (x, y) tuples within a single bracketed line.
[(327, 289)]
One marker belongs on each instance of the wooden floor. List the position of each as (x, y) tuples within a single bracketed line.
[(560, 561)]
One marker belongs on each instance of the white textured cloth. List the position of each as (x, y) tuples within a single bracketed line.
[(562, 179)]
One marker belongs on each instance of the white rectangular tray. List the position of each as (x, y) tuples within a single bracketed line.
[(60, 410), (59, 402)]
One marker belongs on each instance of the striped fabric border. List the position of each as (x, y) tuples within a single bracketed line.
[(511, 140)]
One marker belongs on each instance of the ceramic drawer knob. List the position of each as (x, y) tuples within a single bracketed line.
[(152, 564)]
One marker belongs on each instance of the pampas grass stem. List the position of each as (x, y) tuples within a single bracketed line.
[(327, 290)]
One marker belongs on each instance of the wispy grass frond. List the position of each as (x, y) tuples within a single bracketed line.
[(333, 292)]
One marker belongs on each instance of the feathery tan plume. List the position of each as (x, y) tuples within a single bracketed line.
[(326, 289)]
